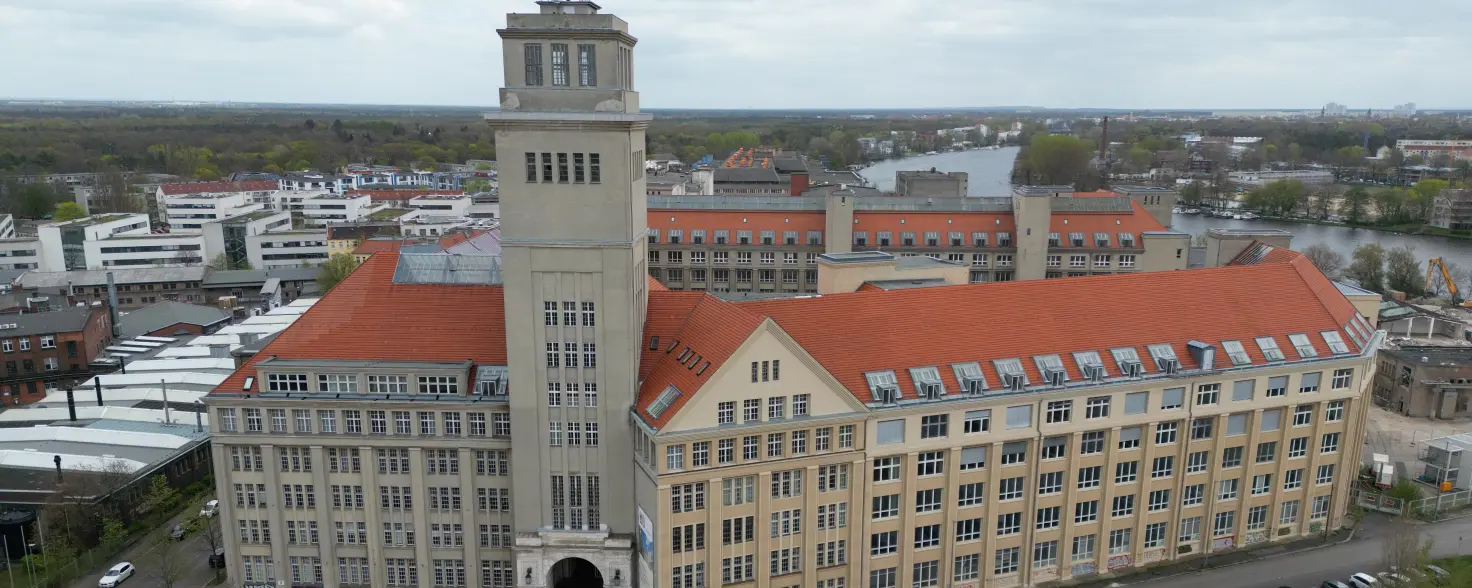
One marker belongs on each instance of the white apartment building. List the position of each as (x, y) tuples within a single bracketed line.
[(1260, 178), (188, 213), (287, 248), (430, 225), (315, 181), (442, 204), (145, 250), (251, 191), (20, 253), (1429, 148), (231, 236), (321, 209), (63, 245), (7, 226)]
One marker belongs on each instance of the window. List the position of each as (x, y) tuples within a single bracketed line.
[(1325, 475), (884, 543), (1341, 379), (1050, 483), (1172, 398), (1232, 457), (1193, 495), (927, 536), (1293, 479), (439, 384), (1208, 394), (1225, 522), (1091, 443), (1227, 490), (1129, 438), (973, 458), (532, 56), (1320, 508), (971, 494), (1330, 443), (1165, 433), (1267, 451), (1269, 348), (1047, 517), (774, 444), (674, 454), (559, 64), (1297, 447), (1097, 408), (1302, 345), (1309, 383), (799, 401), (1006, 561), (1277, 386), (751, 410), (1054, 447), (1126, 472), (884, 578), (1271, 420), (1088, 477), (1123, 506), (968, 567), (1009, 489), (932, 463), (1190, 529), (1136, 402), (933, 426), (1334, 411), (1019, 417), (1154, 535), (1083, 548), (1086, 511), (1237, 424), (1119, 541), (1196, 462), (846, 436), (279, 382), (1014, 453), (1288, 514), (1303, 415), (1159, 500), (1059, 411), (1009, 524), (977, 421), (587, 66), (891, 432), (787, 484), (1201, 428), (725, 413), (1163, 467)]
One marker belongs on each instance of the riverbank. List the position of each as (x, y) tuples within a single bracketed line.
[(1412, 229)]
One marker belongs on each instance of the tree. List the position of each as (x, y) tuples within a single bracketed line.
[(160, 494), (166, 561), (36, 201), (1278, 198), (335, 269), (477, 186), (1423, 195), (114, 193), (1390, 206), (207, 172), (211, 537), (1405, 546), (1353, 206), (483, 166), (1368, 267), (1192, 193), (1403, 272), (69, 211), (1329, 261), (1058, 159)]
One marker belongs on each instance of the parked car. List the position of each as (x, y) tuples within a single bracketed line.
[(179, 532), (116, 575), (1363, 580), (210, 508)]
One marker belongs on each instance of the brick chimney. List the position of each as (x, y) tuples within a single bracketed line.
[(799, 183)]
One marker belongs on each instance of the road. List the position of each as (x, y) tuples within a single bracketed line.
[(1310, 569), (191, 555)]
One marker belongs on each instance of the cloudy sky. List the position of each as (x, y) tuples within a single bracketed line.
[(761, 53)]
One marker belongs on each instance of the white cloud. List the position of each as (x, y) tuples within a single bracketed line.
[(757, 53)]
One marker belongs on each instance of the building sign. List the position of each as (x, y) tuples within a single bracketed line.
[(646, 532), (1222, 542), (1082, 569), (1119, 561)]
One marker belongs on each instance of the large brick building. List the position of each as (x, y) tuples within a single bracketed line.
[(43, 350)]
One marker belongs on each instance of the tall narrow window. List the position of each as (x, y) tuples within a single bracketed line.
[(578, 171), (562, 175), (595, 169), (587, 66), (532, 55), (559, 64), (546, 167), (531, 167)]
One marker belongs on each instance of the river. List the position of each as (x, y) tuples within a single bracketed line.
[(990, 173)]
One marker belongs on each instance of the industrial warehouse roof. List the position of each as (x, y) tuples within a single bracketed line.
[(167, 313), (898, 327), (79, 278)]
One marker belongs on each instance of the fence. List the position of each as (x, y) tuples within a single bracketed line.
[(1433, 507), (1379, 501)]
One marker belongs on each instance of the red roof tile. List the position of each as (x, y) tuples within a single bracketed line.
[(371, 246), (712, 331), (655, 285), (204, 187), (667, 313), (1110, 223), (897, 328), (364, 318)]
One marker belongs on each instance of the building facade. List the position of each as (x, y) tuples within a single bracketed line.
[(1433, 382), (46, 350), (1452, 209), (552, 417)]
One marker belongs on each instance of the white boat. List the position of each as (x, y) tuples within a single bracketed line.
[(1248, 216)]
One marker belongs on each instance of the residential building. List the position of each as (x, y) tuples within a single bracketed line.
[(754, 244), (345, 238), (7, 226), (44, 350), (1434, 382), (1429, 149), (64, 244), (321, 210), (1406, 110), (660, 438), (1335, 109), (430, 225), (285, 248), (239, 237), (442, 204), (186, 206), (1452, 209), (136, 287), (20, 253), (931, 184), (312, 181), (148, 250), (1257, 179)]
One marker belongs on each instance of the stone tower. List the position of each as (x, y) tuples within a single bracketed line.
[(570, 141)]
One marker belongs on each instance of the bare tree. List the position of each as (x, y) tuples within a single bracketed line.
[(1326, 259), (214, 540), (1405, 545), (166, 562)]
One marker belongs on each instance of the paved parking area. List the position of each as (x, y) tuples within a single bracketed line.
[(190, 555)]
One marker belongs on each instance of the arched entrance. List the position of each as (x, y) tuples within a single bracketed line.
[(575, 572)]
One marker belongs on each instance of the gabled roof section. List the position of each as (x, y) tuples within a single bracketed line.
[(1260, 253), (369, 317), (850, 334), (668, 311), (713, 330)]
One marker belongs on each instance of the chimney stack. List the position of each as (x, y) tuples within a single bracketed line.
[(71, 404), (97, 380), (112, 306)]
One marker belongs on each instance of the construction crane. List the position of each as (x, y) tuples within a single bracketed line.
[(1446, 275)]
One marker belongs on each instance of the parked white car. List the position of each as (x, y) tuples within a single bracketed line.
[(1363, 580), (210, 508), (116, 575)]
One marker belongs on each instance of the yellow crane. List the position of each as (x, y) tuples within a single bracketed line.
[(1451, 286)]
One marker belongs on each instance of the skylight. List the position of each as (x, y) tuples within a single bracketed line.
[(1236, 352), (1129, 362), (927, 382), (1301, 343), (1091, 365), (1051, 367), (1165, 357), (1270, 349), (1336, 342), (883, 386), (971, 377), (1011, 372), (663, 402)]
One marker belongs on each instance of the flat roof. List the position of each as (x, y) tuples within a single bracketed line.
[(35, 279)]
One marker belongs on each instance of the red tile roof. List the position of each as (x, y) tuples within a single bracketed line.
[(712, 331), (206, 187), (1113, 224), (371, 246), (897, 328), (667, 313), (364, 318)]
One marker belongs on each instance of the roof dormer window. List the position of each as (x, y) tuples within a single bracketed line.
[(927, 382), (1129, 362), (1336, 342), (1013, 376), (490, 380), (1165, 358), (971, 378), (1303, 346), (1101, 239), (883, 386), (1270, 349), (1236, 352), (1076, 239), (663, 401), (1051, 367), (1090, 365)]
